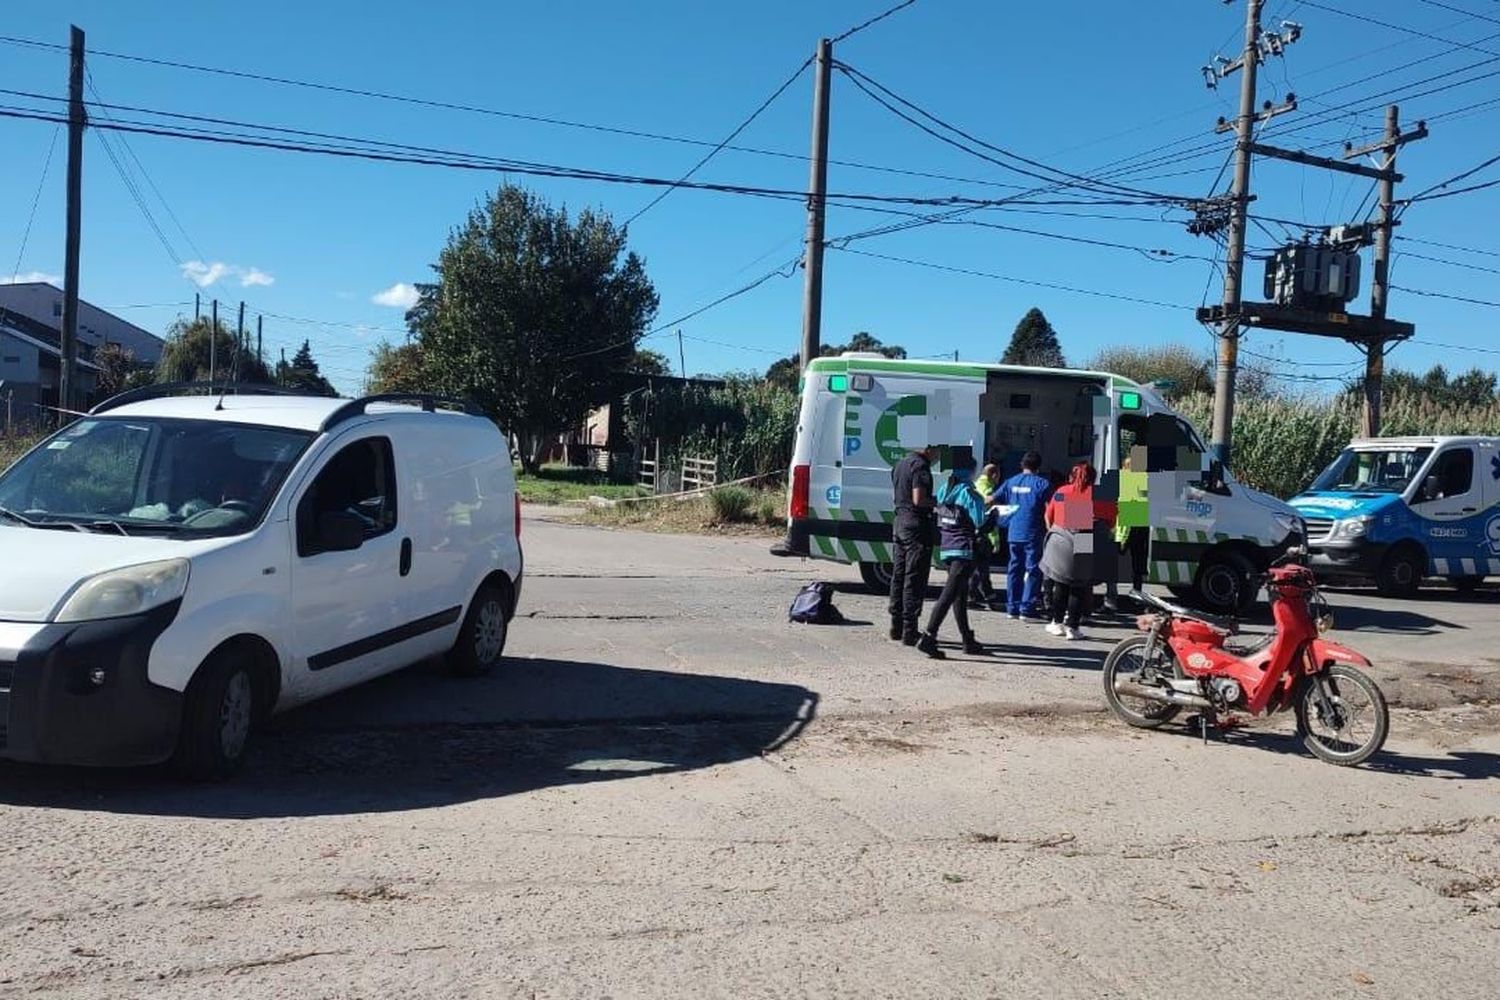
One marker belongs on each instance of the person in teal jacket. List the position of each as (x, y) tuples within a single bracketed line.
[(961, 520)]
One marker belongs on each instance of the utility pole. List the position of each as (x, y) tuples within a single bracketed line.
[(259, 358), (817, 191), (681, 357), (76, 122), (197, 306), (1234, 261), (213, 342)]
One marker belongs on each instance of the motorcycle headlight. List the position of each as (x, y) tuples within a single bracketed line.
[(127, 591)]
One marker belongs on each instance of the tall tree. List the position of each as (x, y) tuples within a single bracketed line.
[(118, 370), (395, 369), (786, 371), (187, 356), (1178, 369), (533, 314), (302, 374), (1034, 343)]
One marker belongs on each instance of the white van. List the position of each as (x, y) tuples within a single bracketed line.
[(175, 568), (861, 413)]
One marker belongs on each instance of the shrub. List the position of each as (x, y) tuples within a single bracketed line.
[(730, 503)]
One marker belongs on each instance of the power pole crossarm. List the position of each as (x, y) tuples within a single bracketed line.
[(817, 190)]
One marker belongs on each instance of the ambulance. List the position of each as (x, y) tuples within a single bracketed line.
[(861, 413), (1399, 510)]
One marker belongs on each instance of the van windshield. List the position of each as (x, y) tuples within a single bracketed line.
[(1384, 471), (151, 476)]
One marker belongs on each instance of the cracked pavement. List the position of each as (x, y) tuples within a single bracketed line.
[(671, 791)]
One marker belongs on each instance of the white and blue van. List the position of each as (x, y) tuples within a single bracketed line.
[(1399, 510)]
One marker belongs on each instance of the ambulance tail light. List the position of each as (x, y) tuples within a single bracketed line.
[(801, 478), (518, 514)]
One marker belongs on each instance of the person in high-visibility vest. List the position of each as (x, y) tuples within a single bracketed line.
[(1132, 531)]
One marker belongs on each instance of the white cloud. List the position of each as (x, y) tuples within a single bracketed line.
[(398, 296), (203, 275), (29, 277)]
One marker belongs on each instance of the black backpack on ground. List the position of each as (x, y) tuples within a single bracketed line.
[(813, 605)]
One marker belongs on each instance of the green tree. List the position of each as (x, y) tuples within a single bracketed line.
[(1474, 387), (785, 373), (302, 373), (533, 314), (1178, 369), (1034, 343), (395, 369), (194, 351), (648, 362), (118, 370)]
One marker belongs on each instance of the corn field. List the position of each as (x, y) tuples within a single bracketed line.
[(1280, 444)]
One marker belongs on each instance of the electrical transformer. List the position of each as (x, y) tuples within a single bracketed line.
[(1312, 277)]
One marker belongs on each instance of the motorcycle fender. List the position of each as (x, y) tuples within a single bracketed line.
[(1324, 653)]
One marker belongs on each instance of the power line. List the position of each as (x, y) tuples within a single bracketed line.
[(1396, 27), (1455, 298), (36, 200), (464, 161), (1427, 193), (727, 140), (1459, 10), (1451, 246), (877, 18), (1450, 263), (490, 112), (1019, 281)]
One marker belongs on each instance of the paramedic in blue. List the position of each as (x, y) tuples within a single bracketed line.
[(1028, 493), (961, 517)]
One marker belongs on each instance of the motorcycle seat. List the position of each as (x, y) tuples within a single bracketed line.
[(1228, 626)]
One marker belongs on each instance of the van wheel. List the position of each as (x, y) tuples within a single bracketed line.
[(877, 576), (1401, 572), (1222, 585), (481, 641), (217, 716)]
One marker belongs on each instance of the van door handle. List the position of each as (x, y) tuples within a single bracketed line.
[(405, 556), (1470, 510)]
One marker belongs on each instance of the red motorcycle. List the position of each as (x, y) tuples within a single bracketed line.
[(1182, 661)]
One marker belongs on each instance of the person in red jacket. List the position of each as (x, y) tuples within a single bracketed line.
[(1079, 539)]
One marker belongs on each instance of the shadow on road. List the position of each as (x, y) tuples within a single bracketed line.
[(419, 739), (1459, 765)]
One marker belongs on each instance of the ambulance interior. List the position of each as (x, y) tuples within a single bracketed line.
[(1059, 416)]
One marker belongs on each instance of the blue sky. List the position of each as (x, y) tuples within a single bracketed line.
[(1068, 83)]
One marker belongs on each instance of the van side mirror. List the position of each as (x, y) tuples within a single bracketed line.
[(339, 531), (1431, 487)]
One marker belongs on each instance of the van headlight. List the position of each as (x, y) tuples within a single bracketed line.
[(1352, 527), (127, 591)]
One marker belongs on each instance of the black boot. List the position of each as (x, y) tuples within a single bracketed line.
[(896, 630), (928, 644), (973, 646), (910, 635)]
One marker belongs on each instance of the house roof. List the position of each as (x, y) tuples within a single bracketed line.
[(9, 329), (4, 313)]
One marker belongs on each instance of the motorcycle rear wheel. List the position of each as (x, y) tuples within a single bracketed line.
[(1360, 719), (1127, 661)]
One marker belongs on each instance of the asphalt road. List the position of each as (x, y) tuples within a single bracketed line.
[(669, 790)]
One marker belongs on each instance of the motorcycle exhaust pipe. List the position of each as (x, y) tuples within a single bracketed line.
[(1169, 695)]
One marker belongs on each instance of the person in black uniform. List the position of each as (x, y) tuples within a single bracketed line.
[(912, 553)]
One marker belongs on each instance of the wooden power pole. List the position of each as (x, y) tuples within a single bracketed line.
[(67, 364), (817, 191)]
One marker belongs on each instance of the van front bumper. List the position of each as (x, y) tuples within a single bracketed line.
[(77, 693), (1355, 558)]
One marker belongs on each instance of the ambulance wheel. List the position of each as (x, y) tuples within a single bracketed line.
[(1401, 571), (1467, 586), (1222, 585), (877, 576)]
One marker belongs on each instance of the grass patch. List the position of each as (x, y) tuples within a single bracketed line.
[(762, 514), (560, 484), (12, 448)]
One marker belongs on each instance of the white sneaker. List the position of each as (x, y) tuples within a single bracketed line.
[(1072, 633), (1055, 628)]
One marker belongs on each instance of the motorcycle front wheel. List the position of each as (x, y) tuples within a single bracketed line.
[(1129, 663), (1341, 715)]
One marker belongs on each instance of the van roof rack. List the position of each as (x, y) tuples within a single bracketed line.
[(427, 401), (205, 388)]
